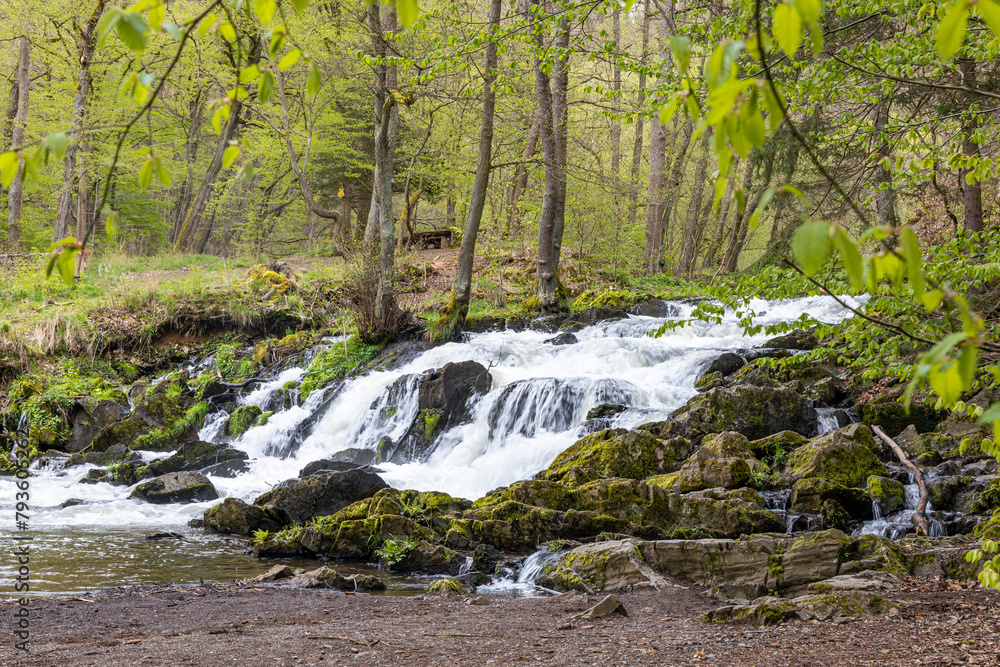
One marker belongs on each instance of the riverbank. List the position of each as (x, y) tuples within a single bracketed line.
[(937, 623)]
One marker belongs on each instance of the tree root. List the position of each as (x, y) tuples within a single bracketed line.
[(919, 515)]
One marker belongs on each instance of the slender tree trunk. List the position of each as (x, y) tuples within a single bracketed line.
[(385, 150), (641, 102), (695, 225), (739, 233), (653, 249), (515, 217), (190, 154), (885, 196), (193, 218), (720, 226), (87, 41), (616, 86), (372, 228), (551, 99), (16, 195), (970, 147), (675, 179), (466, 255)]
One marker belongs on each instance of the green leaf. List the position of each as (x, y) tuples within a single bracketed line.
[(680, 47), (66, 263), (107, 24), (990, 13), (787, 28), (265, 86), (146, 173), (207, 24), (300, 5), (851, 257), (289, 59), (172, 30), (229, 156), (946, 381), (808, 10), (220, 116), (162, 175), (312, 80), (10, 162), (57, 143), (228, 32), (110, 223), (264, 9), (278, 37), (951, 30), (811, 245), (406, 10), (765, 199), (914, 260), (132, 29), (248, 74)]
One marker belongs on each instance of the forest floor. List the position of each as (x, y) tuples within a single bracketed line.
[(937, 623)]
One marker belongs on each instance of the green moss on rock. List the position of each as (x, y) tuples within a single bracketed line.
[(242, 419), (619, 453), (842, 456)]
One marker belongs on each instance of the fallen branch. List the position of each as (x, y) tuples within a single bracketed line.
[(919, 514)]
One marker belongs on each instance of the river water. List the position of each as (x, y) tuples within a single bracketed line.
[(540, 396)]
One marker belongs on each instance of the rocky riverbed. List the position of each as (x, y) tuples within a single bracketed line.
[(740, 465)]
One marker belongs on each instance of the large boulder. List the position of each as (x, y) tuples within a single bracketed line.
[(724, 460), (888, 493), (89, 418), (235, 517), (843, 456), (617, 453), (429, 558), (448, 389), (197, 455), (176, 487), (611, 566), (756, 412), (809, 494), (319, 495), (797, 340)]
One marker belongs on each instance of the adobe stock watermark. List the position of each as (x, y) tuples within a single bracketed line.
[(22, 548)]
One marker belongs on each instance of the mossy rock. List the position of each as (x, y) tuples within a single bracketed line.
[(843, 456), (887, 492), (242, 419), (619, 453), (988, 530), (756, 412), (449, 586), (893, 417), (724, 460), (236, 517), (809, 495), (989, 499), (779, 444), (120, 433)]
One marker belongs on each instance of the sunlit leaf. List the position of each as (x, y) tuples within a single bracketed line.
[(146, 173), (312, 80), (951, 30), (264, 9), (406, 10), (10, 162), (851, 257), (289, 59), (265, 86), (229, 156), (811, 245), (787, 28)]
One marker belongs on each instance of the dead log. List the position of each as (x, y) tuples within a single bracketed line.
[(919, 514)]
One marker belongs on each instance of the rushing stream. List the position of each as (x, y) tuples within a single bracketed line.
[(539, 399)]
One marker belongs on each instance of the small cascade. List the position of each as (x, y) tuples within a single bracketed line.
[(510, 582), (262, 396), (900, 524), (211, 430), (827, 419), (466, 566), (534, 565)]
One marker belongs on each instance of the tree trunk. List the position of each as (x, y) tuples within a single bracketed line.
[(466, 255), (385, 153), (919, 514), (191, 221), (616, 85), (720, 225), (970, 148), (641, 102), (672, 185), (695, 225), (87, 42), (739, 232), (653, 249), (16, 195), (515, 217), (885, 196), (552, 105), (190, 155)]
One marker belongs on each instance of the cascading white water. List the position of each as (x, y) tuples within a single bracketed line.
[(540, 396), (898, 524)]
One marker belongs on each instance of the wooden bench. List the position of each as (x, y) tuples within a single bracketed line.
[(432, 239)]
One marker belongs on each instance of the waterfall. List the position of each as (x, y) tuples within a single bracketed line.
[(535, 409)]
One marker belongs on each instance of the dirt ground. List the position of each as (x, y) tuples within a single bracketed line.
[(934, 625)]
